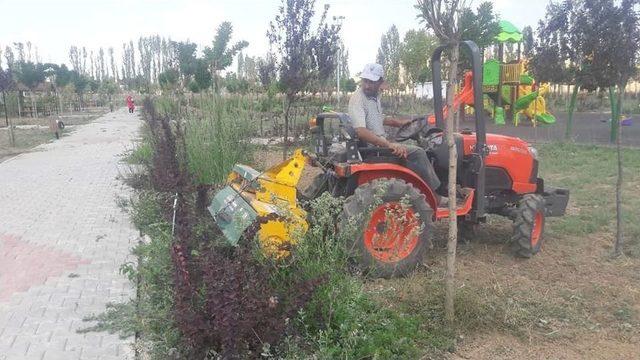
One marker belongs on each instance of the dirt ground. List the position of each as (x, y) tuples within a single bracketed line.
[(588, 302), (571, 301)]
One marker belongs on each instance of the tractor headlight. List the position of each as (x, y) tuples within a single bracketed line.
[(534, 152)]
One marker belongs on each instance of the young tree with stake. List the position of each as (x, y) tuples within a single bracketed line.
[(441, 17)]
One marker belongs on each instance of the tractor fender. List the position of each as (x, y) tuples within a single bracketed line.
[(368, 172)]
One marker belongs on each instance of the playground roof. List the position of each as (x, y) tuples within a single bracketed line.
[(508, 33)]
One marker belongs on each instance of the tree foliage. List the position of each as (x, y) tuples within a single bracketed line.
[(389, 56), (324, 47), (220, 55), (553, 47), (528, 42), (267, 70), (591, 42), (295, 44), (415, 57), (30, 74), (6, 80), (480, 26)]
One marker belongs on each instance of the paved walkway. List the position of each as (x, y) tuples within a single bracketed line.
[(62, 241)]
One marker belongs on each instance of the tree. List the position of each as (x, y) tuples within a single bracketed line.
[(220, 55), (10, 58), (168, 80), (441, 16), (267, 72), (481, 27), (112, 62), (74, 58), (201, 75), (63, 76), (233, 84), (389, 55), (20, 50), (7, 84), (186, 58), (109, 88), (250, 70), (101, 65), (84, 61), (290, 33), (348, 85), (324, 46), (623, 56), (528, 42), (240, 71), (80, 83), (416, 49), (31, 75)]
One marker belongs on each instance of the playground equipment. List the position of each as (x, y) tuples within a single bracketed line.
[(509, 89)]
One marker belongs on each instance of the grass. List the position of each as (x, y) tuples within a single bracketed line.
[(217, 138), (25, 140), (590, 172), (29, 138)]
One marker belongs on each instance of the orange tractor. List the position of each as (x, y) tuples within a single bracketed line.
[(496, 175)]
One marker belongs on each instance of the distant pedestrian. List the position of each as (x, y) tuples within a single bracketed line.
[(130, 104)]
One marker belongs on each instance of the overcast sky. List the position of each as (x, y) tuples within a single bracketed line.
[(55, 25)]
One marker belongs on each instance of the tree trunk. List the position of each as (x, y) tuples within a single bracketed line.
[(615, 118), (60, 108), (12, 138), (34, 108), (19, 104), (572, 105), (453, 225), (617, 249), (285, 144), (4, 103)]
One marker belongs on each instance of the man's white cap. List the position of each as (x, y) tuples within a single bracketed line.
[(373, 72)]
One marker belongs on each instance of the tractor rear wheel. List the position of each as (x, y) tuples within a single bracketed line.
[(393, 227), (528, 226)]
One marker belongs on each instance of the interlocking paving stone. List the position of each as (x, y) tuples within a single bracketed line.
[(62, 241)]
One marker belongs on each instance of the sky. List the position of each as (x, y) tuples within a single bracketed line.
[(55, 25)]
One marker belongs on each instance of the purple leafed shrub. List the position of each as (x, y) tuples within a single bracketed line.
[(225, 301)]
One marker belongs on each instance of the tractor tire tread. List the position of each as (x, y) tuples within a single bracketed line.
[(523, 225), (363, 200)]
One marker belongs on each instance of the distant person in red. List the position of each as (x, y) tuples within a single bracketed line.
[(130, 104)]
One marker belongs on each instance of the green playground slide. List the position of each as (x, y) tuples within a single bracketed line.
[(546, 118), (524, 101)]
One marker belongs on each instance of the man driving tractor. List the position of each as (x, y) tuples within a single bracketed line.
[(365, 110)]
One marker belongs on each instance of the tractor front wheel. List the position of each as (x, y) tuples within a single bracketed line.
[(528, 226), (392, 224)]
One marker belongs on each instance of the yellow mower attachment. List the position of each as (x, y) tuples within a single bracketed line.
[(265, 200)]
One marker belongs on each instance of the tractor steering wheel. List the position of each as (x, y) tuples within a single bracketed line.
[(407, 131)]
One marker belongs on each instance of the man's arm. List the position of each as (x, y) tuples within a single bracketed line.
[(368, 136), (395, 122)]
